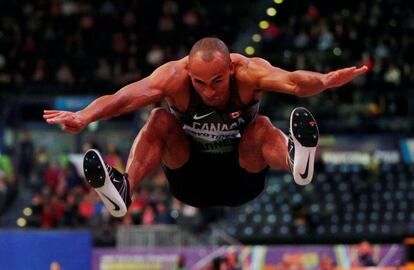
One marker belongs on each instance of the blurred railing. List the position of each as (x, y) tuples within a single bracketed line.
[(154, 236)]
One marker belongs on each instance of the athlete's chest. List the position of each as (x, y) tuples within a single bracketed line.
[(207, 118), (181, 99)]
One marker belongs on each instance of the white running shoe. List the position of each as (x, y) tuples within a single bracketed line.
[(303, 141), (111, 185)]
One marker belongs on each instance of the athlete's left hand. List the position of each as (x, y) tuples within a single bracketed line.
[(342, 76), (72, 122)]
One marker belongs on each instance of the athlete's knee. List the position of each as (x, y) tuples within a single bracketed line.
[(159, 115), (257, 129), (161, 119), (262, 122)]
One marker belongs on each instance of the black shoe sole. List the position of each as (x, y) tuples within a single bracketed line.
[(94, 169), (304, 127)]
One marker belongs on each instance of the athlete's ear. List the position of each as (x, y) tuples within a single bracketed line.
[(231, 66)]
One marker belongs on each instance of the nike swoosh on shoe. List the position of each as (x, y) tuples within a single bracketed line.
[(116, 206), (305, 174)]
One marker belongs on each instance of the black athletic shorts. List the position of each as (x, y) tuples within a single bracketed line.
[(207, 180)]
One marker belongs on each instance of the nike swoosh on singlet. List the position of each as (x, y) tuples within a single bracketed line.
[(198, 117), (114, 203), (305, 174)]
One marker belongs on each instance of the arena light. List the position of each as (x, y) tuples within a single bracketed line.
[(337, 51), (264, 24), (271, 11), (257, 37), (21, 222), (27, 211), (249, 50)]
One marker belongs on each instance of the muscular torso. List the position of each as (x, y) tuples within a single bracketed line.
[(213, 129)]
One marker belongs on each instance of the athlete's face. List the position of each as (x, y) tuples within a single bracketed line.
[(211, 79)]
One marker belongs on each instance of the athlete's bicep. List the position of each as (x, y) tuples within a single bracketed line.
[(278, 80), (140, 94), (151, 89), (270, 78)]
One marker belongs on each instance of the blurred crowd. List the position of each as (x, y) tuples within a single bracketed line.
[(8, 187), (75, 47), (60, 198), (59, 47), (321, 37), (363, 254)]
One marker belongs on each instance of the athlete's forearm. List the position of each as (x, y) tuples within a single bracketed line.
[(307, 83), (299, 83), (129, 98), (104, 107)]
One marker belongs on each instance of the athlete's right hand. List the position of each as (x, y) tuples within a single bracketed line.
[(72, 122)]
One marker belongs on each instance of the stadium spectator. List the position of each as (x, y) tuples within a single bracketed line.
[(326, 263), (55, 266), (113, 158), (233, 260), (26, 159), (181, 263), (162, 215), (8, 187), (148, 215), (365, 255)]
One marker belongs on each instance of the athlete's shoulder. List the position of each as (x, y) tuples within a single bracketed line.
[(248, 62), (172, 76), (250, 68), (172, 70)]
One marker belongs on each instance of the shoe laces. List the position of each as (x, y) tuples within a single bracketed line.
[(110, 172), (109, 168), (291, 149)]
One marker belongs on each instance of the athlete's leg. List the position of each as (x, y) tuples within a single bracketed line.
[(161, 139), (263, 145)]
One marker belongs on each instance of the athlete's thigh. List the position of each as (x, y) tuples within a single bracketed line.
[(250, 148), (175, 145)]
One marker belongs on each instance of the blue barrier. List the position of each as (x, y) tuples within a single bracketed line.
[(35, 250)]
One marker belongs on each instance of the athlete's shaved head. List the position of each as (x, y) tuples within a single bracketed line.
[(210, 68), (207, 48)]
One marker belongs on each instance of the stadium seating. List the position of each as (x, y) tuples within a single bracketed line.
[(344, 203)]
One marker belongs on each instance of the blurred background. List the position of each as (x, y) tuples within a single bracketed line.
[(62, 54)]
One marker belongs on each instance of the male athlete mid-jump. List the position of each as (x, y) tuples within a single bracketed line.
[(214, 148)]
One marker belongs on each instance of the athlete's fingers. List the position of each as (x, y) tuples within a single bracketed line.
[(342, 76), (354, 70), (51, 115), (361, 70), (346, 71), (50, 111), (350, 68), (61, 119), (53, 121)]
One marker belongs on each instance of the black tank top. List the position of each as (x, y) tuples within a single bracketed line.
[(212, 130)]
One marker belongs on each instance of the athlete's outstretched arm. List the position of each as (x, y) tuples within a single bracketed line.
[(301, 83), (135, 95)]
